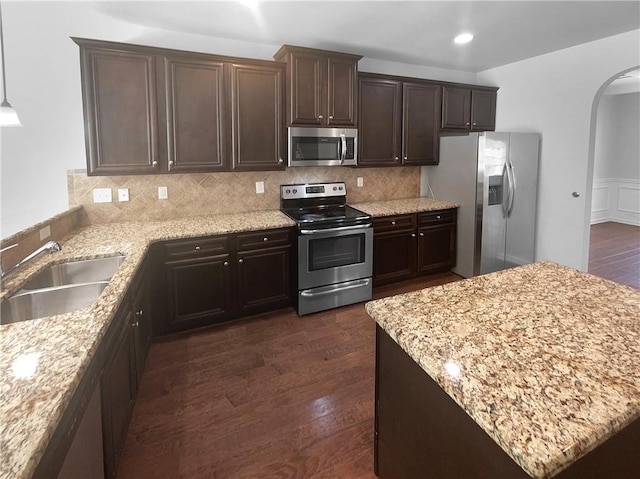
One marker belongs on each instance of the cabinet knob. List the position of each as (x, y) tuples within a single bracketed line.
[(139, 313), (154, 163), (265, 239), (280, 161), (320, 117), (393, 222), (438, 217), (421, 234), (405, 158), (197, 248), (135, 325), (413, 235), (170, 162), (240, 261), (396, 158), (331, 117), (475, 123), (226, 263), (467, 124)]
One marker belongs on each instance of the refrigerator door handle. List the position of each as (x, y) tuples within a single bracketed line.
[(512, 187), (506, 190)]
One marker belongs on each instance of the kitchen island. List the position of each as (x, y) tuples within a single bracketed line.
[(528, 372)]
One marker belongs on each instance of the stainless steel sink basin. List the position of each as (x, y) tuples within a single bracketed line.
[(40, 303), (75, 272)]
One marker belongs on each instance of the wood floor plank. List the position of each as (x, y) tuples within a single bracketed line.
[(614, 253), (272, 396)]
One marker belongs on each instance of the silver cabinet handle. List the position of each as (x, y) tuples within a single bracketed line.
[(226, 263), (265, 239), (333, 230)]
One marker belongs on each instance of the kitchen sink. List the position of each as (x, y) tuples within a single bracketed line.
[(75, 272), (40, 303)]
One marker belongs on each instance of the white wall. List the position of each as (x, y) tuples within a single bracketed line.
[(616, 172), (43, 80), (554, 95)]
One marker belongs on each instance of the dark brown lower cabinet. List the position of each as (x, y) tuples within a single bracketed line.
[(215, 279), (142, 324), (118, 385), (420, 431), (408, 245)]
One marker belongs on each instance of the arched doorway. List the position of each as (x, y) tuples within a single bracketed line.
[(613, 202)]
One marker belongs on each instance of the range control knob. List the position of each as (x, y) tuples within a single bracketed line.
[(295, 191), (340, 188), (288, 191), (335, 188)]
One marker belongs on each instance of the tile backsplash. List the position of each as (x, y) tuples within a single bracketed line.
[(200, 194)]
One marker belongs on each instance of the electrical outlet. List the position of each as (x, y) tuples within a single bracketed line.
[(45, 232), (123, 194), (359, 181), (259, 187), (102, 195), (163, 192)]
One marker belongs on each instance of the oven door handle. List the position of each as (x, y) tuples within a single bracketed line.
[(332, 230), (359, 283)]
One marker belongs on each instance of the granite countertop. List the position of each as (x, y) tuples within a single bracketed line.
[(403, 206), (543, 357), (43, 360)]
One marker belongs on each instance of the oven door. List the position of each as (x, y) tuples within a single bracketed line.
[(335, 255)]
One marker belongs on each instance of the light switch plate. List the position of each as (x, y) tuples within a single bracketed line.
[(163, 192), (359, 181), (123, 194), (259, 187), (102, 195)]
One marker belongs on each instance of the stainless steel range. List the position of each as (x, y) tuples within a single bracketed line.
[(335, 246)]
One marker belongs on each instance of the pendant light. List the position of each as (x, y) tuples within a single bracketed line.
[(8, 116)]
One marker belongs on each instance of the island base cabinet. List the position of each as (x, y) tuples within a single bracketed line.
[(420, 431)]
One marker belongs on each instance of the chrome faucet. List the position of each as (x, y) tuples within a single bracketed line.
[(51, 246)]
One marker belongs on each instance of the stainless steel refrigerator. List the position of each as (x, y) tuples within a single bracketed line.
[(493, 177)]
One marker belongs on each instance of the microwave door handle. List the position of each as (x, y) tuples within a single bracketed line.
[(343, 148)]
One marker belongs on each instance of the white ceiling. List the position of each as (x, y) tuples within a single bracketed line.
[(414, 32)]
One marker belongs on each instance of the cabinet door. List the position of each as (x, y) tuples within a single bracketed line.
[(198, 292), (436, 248), (342, 92), (394, 256), (257, 117), (483, 110), (380, 117), (142, 325), (307, 89), (118, 393), (120, 110), (195, 115), (263, 279), (420, 124), (456, 108)]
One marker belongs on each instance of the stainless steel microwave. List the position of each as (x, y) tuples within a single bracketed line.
[(323, 146)]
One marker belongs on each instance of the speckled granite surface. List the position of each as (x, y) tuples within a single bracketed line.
[(43, 360), (405, 206), (546, 359)]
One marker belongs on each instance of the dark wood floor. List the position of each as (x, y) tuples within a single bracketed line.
[(276, 396), (614, 253)]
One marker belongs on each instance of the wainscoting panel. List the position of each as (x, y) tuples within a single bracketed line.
[(616, 199)]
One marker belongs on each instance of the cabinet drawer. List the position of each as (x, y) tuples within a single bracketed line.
[(197, 247), (387, 223), (437, 217), (264, 239)]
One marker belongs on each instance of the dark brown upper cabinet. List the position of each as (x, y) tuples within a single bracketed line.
[(398, 121), (470, 109), (322, 87), (120, 109), (196, 137), (152, 110), (257, 117)]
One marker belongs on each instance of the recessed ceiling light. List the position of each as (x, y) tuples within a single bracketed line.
[(463, 38)]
